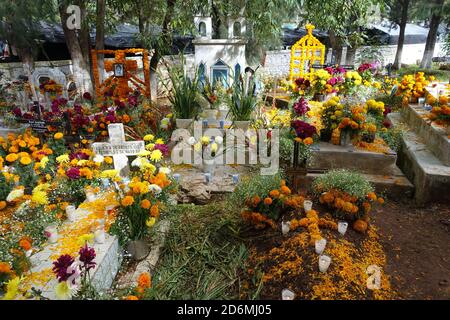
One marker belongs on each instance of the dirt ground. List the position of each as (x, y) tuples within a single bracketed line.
[(417, 246)]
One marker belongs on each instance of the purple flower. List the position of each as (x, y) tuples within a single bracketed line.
[(301, 107), (78, 109), (132, 101), (61, 265), (17, 112), (87, 256), (87, 96), (73, 173), (303, 129), (163, 148)]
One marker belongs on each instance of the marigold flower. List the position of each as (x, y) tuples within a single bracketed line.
[(58, 135), (274, 193), (5, 267), (154, 211), (144, 280), (268, 201), (127, 201), (25, 244), (380, 200), (131, 298), (12, 157), (285, 190), (308, 141), (2, 205), (256, 200), (145, 204)]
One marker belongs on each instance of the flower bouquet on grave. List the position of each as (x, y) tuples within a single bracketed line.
[(73, 275), (349, 195), (206, 150)]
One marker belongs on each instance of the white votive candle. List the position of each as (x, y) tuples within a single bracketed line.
[(71, 213), (307, 205), (285, 227), (320, 245), (99, 236), (342, 227), (287, 294), (324, 263)]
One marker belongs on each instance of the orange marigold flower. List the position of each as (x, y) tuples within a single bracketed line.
[(145, 204), (144, 280), (131, 298), (308, 141), (256, 200), (127, 201), (372, 196), (274, 193), (25, 244), (2, 205), (268, 201), (380, 200), (58, 135), (154, 211), (285, 190), (5, 267), (12, 157)]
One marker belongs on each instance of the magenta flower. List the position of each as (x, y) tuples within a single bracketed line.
[(61, 265), (163, 148), (303, 129), (73, 173), (301, 107), (87, 96), (87, 256)]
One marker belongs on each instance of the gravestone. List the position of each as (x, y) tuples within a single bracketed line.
[(54, 74), (118, 148)]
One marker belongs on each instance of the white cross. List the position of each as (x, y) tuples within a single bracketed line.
[(118, 148)]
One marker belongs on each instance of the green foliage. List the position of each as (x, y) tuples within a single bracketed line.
[(441, 75), (254, 185), (5, 186), (202, 255), (343, 180), (286, 148), (242, 99), (393, 137), (184, 93)]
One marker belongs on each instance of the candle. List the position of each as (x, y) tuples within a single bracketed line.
[(235, 178), (51, 233), (207, 177), (320, 245), (205, 123), (342, 227), (324, 263), (222, 124), (90, 196), (421, 102), (176, 176), (71, 213), (307, 205), (287, 294), (285, 227), (99, 236)]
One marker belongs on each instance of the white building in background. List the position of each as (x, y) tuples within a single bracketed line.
[(220, 59)]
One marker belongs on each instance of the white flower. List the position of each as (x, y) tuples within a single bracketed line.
[(14, 194), (218, 140), (99, 158), (136, 162), (165, 170), (191, 141), (155, 188)]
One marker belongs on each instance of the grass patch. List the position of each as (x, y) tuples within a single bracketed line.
[(202, 256)]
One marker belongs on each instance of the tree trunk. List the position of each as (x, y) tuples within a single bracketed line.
[(85, 38), (337, 48), (81, 72), (100, 36), (401, 36), (216, 22), (350, 58), (156, 57), (26, 56), (431, 41)]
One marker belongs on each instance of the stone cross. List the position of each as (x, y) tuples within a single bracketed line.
[(118, 148)]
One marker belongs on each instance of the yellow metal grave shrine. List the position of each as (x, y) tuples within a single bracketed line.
[(306, 52)]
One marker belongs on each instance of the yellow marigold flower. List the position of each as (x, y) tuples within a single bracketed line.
[(149, 146), (25, 161), (108, 160), (58, 135), (150, 222), (149, 137), (39, 197), (156, 155), (12, 288), (12, 157), (64, 158), (159, 141), (127, 201)]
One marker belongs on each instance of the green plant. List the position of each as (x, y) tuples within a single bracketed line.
[(254, 185), (350, 182), (184, 93), (242, 99), (393, 137)]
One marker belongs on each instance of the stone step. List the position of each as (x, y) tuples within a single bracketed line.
[(435, 137), (329, 156), (430, 176), (393, 187)]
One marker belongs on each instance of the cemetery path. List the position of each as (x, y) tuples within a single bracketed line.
[(417, 246)]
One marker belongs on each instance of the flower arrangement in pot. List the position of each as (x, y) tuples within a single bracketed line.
[(242, 101), (184, 95), (303, 132), (212, 94), (207, 148)]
